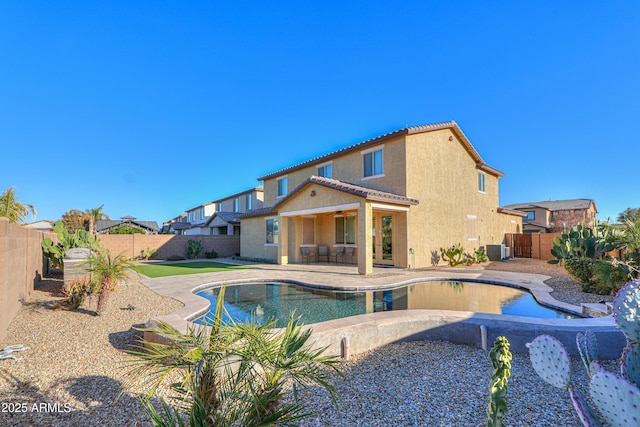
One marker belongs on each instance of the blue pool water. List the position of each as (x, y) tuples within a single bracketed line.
[(275, 301)]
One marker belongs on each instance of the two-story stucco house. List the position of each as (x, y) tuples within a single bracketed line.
[(218, 216), (395, 199), (553, 216)]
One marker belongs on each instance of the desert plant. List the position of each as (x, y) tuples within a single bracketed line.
[(194, 247), (608, 278), (148, 253), (583, 242), (12, 208), (582, 269), (500, 357), (107, 272), (232, 373), (76, 292), (616, 397), (453, 255), (211, 254), (66, 241), (480, 255)]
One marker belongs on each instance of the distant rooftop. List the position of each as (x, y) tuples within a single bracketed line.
[(555, 205)]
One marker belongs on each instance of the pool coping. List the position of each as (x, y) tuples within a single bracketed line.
[(361, 333)]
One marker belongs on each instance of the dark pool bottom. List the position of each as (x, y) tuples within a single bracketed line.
[(265, 302)]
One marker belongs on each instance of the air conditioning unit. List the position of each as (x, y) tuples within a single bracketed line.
[(507, 252), (496, 252)]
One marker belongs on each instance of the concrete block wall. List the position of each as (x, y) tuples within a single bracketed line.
[(168, 245), (22, 266)]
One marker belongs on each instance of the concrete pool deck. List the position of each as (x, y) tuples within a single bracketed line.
[(358, 334)]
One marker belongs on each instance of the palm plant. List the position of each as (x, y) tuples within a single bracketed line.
[(91, 216), (232, 373), (11, 208), (107, 272)]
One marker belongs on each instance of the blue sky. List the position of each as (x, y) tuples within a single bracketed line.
[(152, 108)]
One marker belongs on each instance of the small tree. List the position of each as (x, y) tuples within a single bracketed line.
[(107, 272)]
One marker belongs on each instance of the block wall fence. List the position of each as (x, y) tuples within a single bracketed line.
[(22, 266), (167, 245)]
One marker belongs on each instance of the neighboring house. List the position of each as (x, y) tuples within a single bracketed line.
[(395, 199), (554, 216), (107, 226), (218, 217), (42, 225)]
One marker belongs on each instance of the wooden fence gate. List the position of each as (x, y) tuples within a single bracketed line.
[(522, 245)]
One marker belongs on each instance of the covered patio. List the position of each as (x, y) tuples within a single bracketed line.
[(326, 220)]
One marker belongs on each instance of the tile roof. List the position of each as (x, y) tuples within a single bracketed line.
[(511, 211), (387, 136), (105, 224), (346, 187), (555, 205), (230, 217)]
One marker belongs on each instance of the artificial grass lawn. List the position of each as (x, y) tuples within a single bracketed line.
[(162, 270)]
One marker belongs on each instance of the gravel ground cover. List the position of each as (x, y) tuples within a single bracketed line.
[(73, 372)]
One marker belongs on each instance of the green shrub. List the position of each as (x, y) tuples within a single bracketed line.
[(194, 247), (211, 254), (582, 269), (609, 277)]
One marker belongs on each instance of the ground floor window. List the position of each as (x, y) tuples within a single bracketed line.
[(471, 227), (272, 231), (308, 231), (346, 230)]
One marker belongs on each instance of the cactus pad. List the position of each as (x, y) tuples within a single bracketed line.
[(588, 347), (551, 361), (626, 310), (617, 399), (583, 410), (630, 363)]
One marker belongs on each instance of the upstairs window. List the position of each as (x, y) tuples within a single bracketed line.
[(325, 171), (219, 207), (481, 182), (372, 161), (249, 202), (235, 204), (283, 186), (531, 215)]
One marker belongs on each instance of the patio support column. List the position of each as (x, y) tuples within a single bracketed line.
[(365, 239), (283, 247)]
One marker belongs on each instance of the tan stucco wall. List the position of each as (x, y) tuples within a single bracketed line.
[(350, 168), (253, 237), (444, 178)]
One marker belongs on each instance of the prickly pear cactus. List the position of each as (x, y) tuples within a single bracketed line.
[(626, 310), (617, 399), (588, 347), (630, 363), (551, 361), (583, 410)]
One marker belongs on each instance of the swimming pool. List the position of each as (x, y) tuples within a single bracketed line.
[(266, 301)]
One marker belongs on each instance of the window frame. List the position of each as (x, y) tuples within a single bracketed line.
[(376, 168), (249, 202), (322, 170), (472, 228), (345, 235), (275, 231), (532, 214), (236, 204), (282, 190), (482, 182)]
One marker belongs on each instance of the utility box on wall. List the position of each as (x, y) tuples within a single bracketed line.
[(496, 252)]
